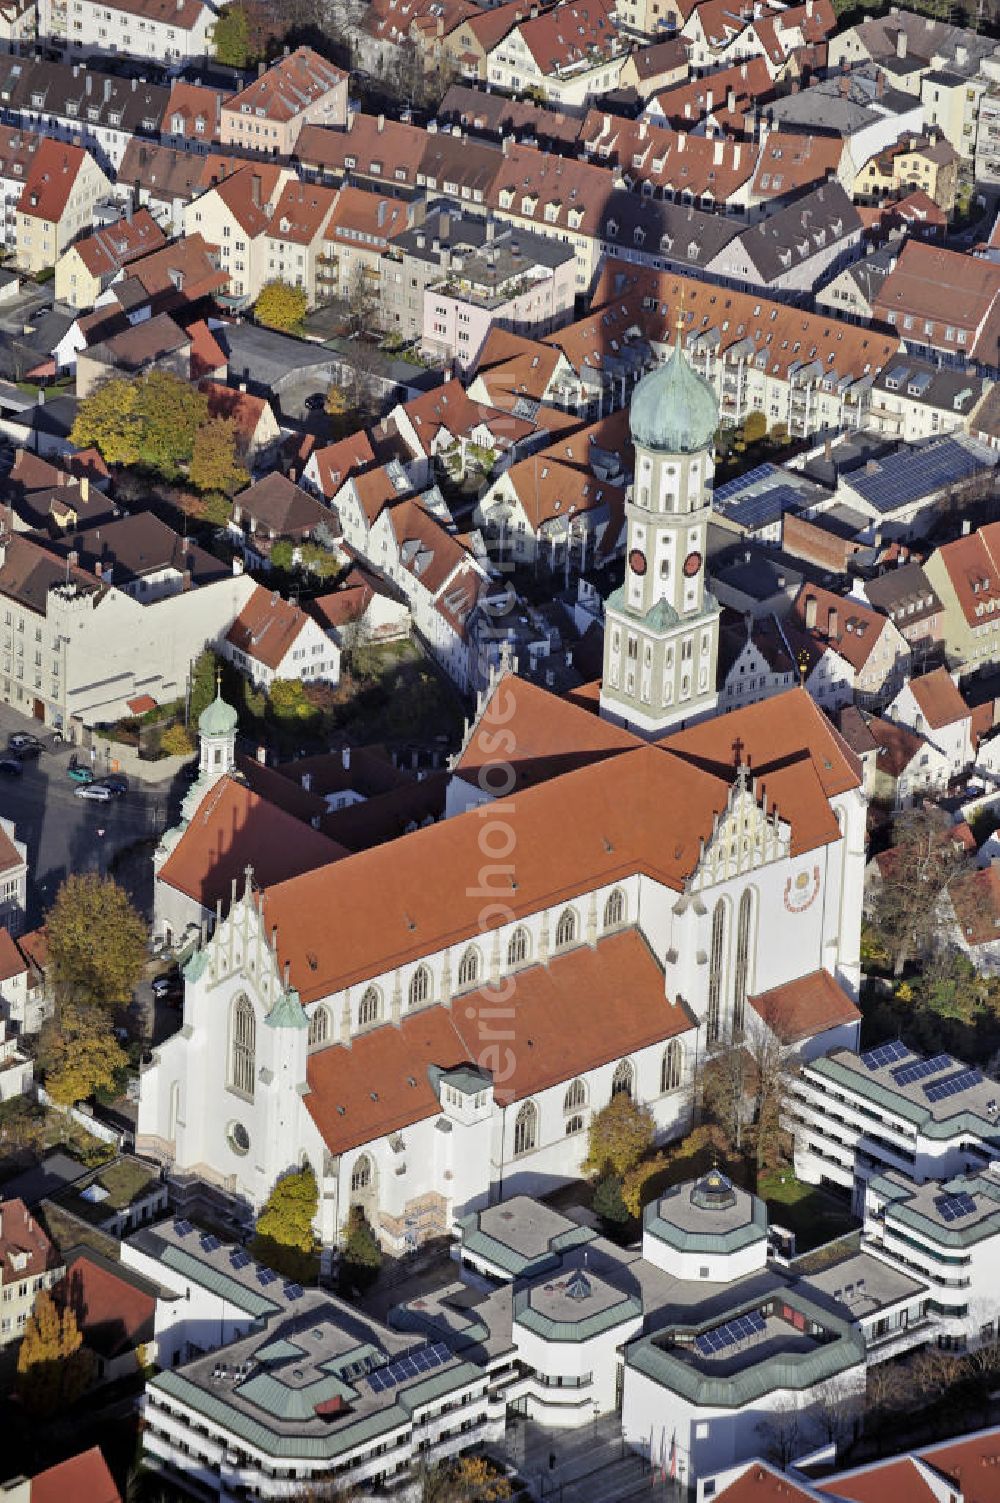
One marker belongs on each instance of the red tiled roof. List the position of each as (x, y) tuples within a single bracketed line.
[(112, 1313), (51, 177), (141, 704), (287, 88), (84, 1477), (551, 1038), (803, 1008), (12, 962), (266, 627), (207, 355), (233, 828), (241, 407), (938, 698), (115, 245)]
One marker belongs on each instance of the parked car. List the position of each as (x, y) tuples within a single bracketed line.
[(170, 985), (117, 782), (96, 791), (10, 767), (27, 753), (78, 772), (21, 740)]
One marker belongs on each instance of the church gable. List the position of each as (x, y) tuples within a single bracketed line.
[(744, 837)]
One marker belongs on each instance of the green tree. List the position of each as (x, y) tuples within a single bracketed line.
[(79, 1054), (754, 427), (231, 36), (215, 464), (216, 508), (281, 306), (97, 941), (204, 671), (608, 1201), (283, 555), (106, 421), (284, 1238), (170, 412), (620, 1134), (53, 1366), (290, 705), (176, 741), (360, 1254), (465, 1479)]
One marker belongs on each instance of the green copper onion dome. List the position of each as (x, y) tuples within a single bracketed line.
[(674, 410), (219, 719)]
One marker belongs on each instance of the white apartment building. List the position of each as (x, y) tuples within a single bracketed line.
[(889, 1110), (165, 31), (75, 649)]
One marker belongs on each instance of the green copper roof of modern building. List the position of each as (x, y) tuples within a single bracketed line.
[(219, 719), (673, 409)]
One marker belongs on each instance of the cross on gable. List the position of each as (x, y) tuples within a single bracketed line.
[(738, 746)]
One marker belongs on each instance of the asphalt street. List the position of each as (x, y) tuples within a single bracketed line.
[(69, 834)]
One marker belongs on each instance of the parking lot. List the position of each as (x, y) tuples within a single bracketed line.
[(64, 833)]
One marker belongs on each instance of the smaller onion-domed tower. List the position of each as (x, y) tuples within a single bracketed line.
[(661, 633)]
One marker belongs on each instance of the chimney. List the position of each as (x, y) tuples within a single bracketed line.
[(307, 779), (731, 100), (718, 152), (255, 188), (845, 85), (345, 757), (444, 226), (902, 42), (810, 613), (381, 124), (681, 138), (831, 627), (491, 229), (966, 527), (262, 750), (84, 489), (879, 85)]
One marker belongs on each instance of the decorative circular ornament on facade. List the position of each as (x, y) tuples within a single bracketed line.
[(238, 1138), (692, 564), (637, 561), (802, 890)]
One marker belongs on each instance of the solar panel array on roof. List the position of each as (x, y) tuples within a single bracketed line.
[(183, 1228), (210, 1242), (266, 1275), (414, 1365), (885, 1054), (919, 1069), (740, 1329), (954, 1207), (239, 1258), (952, 1084), (743, 482), (294, 1291), (912, 474)]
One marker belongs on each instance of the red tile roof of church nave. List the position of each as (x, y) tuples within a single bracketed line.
[(381, 1084), (647, 809)]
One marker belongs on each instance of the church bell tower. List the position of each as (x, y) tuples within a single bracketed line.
[(661, 629)]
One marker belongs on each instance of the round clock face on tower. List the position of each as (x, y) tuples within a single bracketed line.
[(637, 561), (692, 564)]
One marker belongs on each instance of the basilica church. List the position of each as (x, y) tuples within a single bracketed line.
[(431, 1022)]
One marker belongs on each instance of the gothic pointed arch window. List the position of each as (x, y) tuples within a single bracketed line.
[(672, 1067), (566, 929), (745, 946), (716, 962), (575, 1097), (518, 948), (526, 1129), (242, 1047), (623, 1079), (420, 986), (319, 1027), (370, 1007), (614, 909), (469, 967), (361, 1174)]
